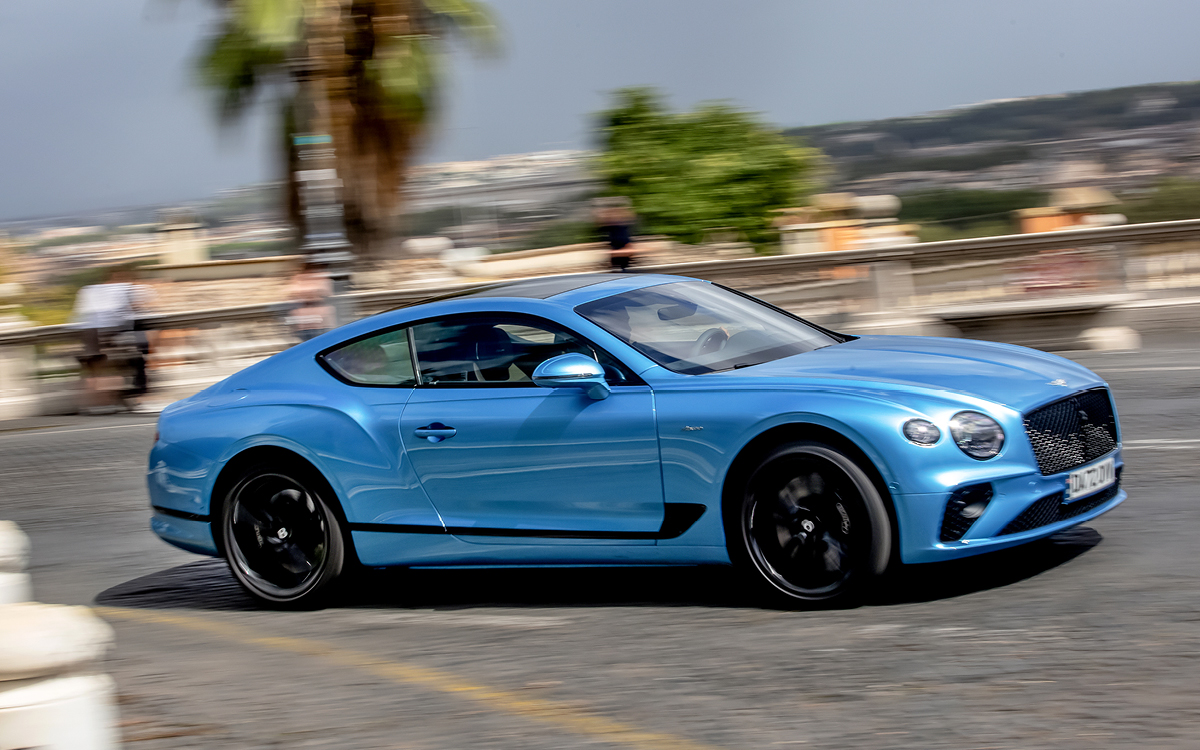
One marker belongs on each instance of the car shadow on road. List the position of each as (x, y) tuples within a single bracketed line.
[(208, 584)]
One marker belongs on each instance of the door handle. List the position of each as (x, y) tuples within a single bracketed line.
[(436, 432)]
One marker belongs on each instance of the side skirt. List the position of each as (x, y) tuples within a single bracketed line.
[(677, 518)]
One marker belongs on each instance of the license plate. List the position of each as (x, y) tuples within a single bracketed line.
[(1089, 479)]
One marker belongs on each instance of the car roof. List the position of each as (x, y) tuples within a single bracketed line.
[(541, 287), (565, 291), (573, 288)]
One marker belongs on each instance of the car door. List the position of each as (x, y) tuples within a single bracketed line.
[(499, 456)]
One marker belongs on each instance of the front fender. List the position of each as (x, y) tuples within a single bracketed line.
[(701, 433)]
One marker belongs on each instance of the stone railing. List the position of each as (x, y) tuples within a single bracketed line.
[(1052, 289)]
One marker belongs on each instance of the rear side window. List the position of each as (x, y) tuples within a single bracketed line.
[(383, 359)]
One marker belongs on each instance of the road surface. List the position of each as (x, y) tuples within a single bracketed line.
[(1089, 640)]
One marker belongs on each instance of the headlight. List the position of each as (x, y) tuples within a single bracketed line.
[(977, 435), (921, 431)]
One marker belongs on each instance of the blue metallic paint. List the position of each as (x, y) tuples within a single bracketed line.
[(539, 458), (562, 452), (193, 536)]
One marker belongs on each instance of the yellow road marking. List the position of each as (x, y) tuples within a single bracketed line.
[(549, 712)]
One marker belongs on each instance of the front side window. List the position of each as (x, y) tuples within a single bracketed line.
[(383, 360), (498, 349), (693, 327)]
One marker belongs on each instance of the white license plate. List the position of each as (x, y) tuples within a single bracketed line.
[(1089, 479)]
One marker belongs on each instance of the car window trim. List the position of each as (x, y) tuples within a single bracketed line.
[(842, 337), (329, 368), (412, 355), (632, 377)]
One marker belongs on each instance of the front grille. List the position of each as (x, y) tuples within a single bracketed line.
[(1073, 431), (1050, 509)]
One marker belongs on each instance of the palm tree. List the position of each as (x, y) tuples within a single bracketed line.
[(366, 72)]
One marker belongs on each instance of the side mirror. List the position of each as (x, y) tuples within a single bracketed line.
[(573, 371)]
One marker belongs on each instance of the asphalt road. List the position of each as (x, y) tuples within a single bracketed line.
[(1089, 640)]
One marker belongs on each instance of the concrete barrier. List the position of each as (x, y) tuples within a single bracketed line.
[(53, 695), (14, 555)]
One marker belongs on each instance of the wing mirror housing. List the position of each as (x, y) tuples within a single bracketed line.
[(573, 371)]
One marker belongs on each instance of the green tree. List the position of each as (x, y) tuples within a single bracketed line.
[(689, 173), (367, 70)]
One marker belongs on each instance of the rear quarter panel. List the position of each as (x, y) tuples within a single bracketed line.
[(350, 435)]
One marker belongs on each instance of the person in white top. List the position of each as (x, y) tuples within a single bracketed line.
[(106, 317), (309, 293)]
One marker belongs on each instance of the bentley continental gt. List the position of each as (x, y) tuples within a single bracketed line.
[(613, 419)]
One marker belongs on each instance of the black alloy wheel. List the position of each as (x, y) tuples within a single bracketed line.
[(282, 541), (811, 525)]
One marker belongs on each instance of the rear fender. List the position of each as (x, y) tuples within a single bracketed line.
[(357, 452)]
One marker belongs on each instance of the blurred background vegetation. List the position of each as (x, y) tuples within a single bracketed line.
[(688, 174), (368, 73)]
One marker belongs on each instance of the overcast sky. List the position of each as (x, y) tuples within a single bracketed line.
[(99, 108)]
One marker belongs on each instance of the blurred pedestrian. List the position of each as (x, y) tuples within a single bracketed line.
[(616, 220), (309, 292), (115, 345)]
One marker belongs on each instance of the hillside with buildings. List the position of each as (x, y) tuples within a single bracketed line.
[(1123, 140)]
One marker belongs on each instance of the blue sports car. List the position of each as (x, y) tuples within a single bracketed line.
[(615, 419)]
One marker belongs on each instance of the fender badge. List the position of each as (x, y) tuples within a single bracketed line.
[(1057, 381), (689, 428)]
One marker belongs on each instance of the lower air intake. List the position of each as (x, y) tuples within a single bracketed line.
[(1050, 509), (965, 505)]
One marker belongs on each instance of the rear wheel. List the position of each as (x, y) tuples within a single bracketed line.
[(282, 539), (810, 524)]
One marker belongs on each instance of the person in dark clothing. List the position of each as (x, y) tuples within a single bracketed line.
[(616, 221)]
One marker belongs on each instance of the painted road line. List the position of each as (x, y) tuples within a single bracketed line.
[(1152, 368), (556, 714), (515, 622), (48, 431), (1161, 444)]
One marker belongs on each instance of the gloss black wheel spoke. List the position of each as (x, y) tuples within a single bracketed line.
[(800, 532), (257, 517), (280, 534)]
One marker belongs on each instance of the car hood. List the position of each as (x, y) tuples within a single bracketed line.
[(1002, 373)]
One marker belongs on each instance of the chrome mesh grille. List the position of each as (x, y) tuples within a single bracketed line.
[(1073, 431)]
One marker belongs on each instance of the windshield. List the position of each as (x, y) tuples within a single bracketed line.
[(693, 327)]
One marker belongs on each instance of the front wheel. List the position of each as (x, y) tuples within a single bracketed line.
[(810, 524), (282, 540)]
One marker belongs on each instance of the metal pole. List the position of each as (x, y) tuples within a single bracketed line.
[(325, 239)]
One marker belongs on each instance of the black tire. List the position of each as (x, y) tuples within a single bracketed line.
[(281, 537), (809, 525)]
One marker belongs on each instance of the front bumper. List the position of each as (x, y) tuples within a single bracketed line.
[(920, 517)]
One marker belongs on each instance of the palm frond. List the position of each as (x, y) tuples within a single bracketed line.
[(234, 65), (271, 23), (469, 19)]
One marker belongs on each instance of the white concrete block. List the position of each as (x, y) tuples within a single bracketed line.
[(1112, 339), (50, 696), (15, 588), (14, 548), (49, 639), (63, 713)]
